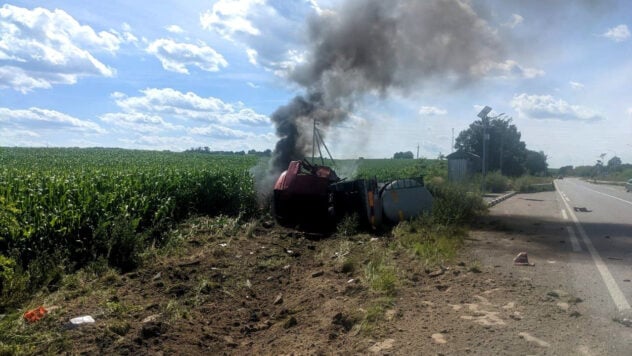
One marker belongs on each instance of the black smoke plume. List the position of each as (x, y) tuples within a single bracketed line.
[(375, 47)]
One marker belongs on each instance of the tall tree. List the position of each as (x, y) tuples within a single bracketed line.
[(614, 163), (505, 151), (404, 155), (566, 170), (536, 163)]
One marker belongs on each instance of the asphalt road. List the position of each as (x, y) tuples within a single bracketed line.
[(600, 231), (579, 239)]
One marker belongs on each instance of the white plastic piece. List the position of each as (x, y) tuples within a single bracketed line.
[(86, 319)]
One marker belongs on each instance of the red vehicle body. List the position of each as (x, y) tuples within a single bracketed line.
[(313, 197), (302, 195)]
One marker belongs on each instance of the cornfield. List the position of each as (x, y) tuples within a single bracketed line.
[(82, 204), (387, 169)]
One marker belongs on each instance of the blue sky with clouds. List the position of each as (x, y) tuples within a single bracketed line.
[(180, 74)]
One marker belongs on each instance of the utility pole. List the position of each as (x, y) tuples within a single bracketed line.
[(452, 147), (483, 116), (484, 150), (313, 142), (417, 151), (500, 163)]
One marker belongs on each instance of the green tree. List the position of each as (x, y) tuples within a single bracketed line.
[(614, 164), (584, 171), (566, 170), (505, 151), (536, 163), (404, 155)]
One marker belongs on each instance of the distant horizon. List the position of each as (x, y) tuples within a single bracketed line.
[(344, 158)]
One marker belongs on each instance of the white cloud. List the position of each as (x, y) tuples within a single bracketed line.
[(36, 119), (176, 56), (148, 121), (18, 137), (220, 132), (288, 63), (174, 29), (126, 36), (576, 85), (18, 133), (507, 69), (630, 111), (252, 85), (247, 22), (547, 107), (514, 21), (40, 48), (252, 56), (24, 81), (618, 33), (314, 4), (189, 105), (139, 122), (230, 17), (432, 111)]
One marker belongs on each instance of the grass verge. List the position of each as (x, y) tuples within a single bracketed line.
[(433, 244)]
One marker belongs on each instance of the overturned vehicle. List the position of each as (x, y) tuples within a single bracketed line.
[(313, 196)]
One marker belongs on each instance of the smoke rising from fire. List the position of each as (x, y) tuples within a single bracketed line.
[(376, 47)]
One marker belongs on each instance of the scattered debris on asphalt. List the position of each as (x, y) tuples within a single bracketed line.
[(522, 260), (624, 321), (582, 210)]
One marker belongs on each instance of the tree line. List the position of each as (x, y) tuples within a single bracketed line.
[(613, 168), (403, 155), (207, 150)]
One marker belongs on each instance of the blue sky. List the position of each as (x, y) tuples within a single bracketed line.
[(180, 74)]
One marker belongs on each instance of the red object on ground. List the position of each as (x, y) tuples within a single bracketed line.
[(35, 314), (522, 260)]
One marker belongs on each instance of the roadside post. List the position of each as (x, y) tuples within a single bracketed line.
[(483, 116)]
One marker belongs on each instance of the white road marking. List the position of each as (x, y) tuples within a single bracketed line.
[(615, 292), (564, 216), (608, 195), (574, 241), (613, 189)]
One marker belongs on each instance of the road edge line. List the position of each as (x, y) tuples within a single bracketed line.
[(613, 288)]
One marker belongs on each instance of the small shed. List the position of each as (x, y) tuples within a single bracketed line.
[(462, 165)]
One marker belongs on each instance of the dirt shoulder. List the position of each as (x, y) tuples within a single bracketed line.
[(261, 289)]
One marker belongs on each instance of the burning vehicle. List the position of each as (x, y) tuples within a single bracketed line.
[(364, 51), (313, 196)]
